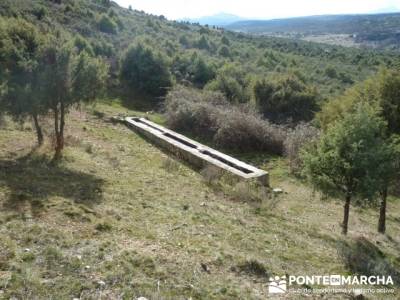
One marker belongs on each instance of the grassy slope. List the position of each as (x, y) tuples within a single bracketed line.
[(118, 218)]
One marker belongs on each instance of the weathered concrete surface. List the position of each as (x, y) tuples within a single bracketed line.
[(195, 153)]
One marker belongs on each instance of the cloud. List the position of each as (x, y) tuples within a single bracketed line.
[(176, 9)]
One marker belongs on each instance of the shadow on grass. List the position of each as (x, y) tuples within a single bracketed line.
[(32, 179), (362, 257), (140, 102)]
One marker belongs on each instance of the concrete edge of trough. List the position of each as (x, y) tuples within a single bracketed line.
[(194, 152)]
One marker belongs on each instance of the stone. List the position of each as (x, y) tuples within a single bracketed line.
[(277, 191), (101, 283)]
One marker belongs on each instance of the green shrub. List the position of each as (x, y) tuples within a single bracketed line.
[(286, 99), (82, 44), (224, 51), (107, 25), (202, 43), (380, 91), (232, 81), (145, 71)]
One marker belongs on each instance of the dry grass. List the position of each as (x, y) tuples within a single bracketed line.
[(122, 221)]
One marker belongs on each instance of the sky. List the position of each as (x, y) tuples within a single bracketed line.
[(258, 9)]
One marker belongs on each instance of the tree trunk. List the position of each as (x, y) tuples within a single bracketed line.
[(38, 128), (59, 123), (382, 213), (345, 224)]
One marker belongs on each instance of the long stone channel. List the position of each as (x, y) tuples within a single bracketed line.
[(193, 152)]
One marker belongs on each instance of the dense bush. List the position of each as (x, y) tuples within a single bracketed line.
[(381, 91), (82, 44), (107, 25), (193, 68), (145, 71), (286, 99), (224, 51), (201, 72), (202, 43), (208, 115), (232, 81)]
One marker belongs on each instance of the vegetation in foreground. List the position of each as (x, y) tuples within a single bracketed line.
[(118, 218)]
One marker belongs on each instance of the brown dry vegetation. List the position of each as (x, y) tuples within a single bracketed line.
[(118, 218)]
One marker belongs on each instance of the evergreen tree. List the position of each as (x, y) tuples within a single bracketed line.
[(68, 79), (20, 46), (344, 161), (145, 71), (387, 171)]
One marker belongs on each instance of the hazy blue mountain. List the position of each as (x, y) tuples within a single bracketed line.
[(338, 24), (221, 19)]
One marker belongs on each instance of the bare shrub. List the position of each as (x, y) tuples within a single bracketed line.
[(251, 267), (247, 131), (190, 110), (295, 140), (208, 115)]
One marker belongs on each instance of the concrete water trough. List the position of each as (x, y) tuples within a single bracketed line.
[(193, 152)]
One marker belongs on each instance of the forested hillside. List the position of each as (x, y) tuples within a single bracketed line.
[(197, 55)]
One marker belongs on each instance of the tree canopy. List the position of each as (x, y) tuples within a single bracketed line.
[(146, 71), (343, 162)]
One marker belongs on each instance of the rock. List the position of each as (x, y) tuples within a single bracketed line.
[(27, 250), (142, 298), (277, 191), (87, 267), (101, 283), (202, 204), (205, 268), (79, 257)]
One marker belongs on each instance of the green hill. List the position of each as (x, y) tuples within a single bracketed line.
[(179, 41)]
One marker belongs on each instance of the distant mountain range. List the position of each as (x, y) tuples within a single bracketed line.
[(381, 31), (377, 30), (221, 19), (338, 24)]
